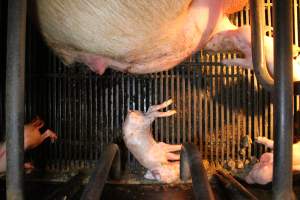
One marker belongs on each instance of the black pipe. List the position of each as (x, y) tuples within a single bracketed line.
[(283, 107), (191, 165), (109, 161), (257, 41), (15, 74)]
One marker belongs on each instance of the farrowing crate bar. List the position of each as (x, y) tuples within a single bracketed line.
[(218, 107)]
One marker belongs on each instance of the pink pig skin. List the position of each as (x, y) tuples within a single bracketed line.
[(157, 157)]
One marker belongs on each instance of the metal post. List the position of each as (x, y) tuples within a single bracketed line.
[(15, 73), (110, 161), (191, 165), (257, 18), (282, 173)]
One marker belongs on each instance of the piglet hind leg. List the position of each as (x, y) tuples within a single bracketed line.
[(153, 111), (154, 108), (228, 37)]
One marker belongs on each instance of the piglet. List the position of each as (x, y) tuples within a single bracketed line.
[(262, 172), (157, 157), (32, 139)]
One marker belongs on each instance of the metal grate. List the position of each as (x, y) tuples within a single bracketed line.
[(216, 105)]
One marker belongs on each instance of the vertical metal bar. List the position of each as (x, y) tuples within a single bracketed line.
[(228, 85), (90, 120), (232, 112), (282, 179), (64, 126), (200, 114), (167, 124), (173, 107), (217, 111), (161, 95), (15, 75), (96, 100), (156, 102), (238, 92), (189, 101), (183, 97), (205, 114), (222, 90), (195, 102), (211, 111), (178, 106), (69, 128), (117, 105), (248, 106)]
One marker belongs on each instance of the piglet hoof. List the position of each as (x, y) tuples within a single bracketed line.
[(49, 134), (153, 111), (160, 106)]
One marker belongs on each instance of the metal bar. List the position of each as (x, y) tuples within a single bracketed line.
[(234, 189), (15, 76), (283, 38), (257, 35), (191, 165), (109, 161)]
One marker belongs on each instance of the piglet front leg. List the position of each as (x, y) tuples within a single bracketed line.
[(32, 135)]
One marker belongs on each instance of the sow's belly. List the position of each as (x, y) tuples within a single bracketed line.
[(119, 35)]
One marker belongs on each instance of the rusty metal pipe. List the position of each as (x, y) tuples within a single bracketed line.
[(191, 165), (109, 161)]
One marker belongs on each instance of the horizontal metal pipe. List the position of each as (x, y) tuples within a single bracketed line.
[(257, 41), (191, 165), (109, 161), (283, 37), (15, 75)]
